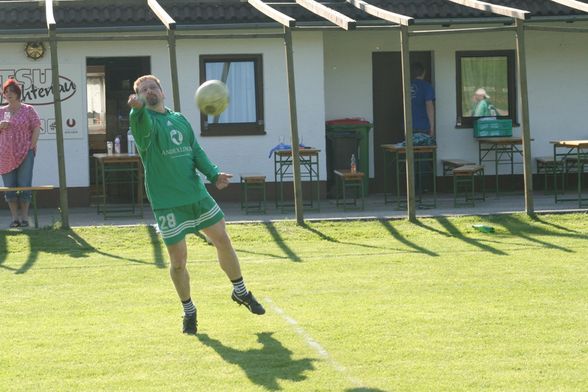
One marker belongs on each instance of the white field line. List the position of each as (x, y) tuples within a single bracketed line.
[(313, 343)]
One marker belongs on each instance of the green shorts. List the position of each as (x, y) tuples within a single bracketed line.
[(174, 223)]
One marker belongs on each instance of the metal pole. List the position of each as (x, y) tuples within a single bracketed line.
[(294, 127), (522, 72), (407, 98), (173, 62), (63, 203)]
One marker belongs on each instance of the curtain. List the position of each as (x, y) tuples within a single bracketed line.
[(240, 80), (488, 73)]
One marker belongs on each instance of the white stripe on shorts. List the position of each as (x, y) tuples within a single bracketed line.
[(190, 223)]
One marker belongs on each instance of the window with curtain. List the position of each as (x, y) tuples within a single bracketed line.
[(96, 98), (486, 86), (243, 76)]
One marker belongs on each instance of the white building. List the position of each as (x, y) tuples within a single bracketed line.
[(338, 74)]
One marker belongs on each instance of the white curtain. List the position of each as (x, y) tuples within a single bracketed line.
[(241, 84)]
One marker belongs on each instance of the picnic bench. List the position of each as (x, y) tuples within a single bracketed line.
[(34, 190), (251, 183), (449, 164), (549, 166), (466, 176), (348, 181)]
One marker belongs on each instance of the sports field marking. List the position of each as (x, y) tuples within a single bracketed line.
[(313, 343)]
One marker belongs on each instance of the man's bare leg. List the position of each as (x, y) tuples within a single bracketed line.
[(178, 255), (227, 257), (229, 262)]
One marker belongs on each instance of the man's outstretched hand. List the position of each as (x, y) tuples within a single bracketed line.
[(222, 181), (135, 102)]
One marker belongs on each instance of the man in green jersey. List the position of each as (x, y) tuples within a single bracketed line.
[(180, 202)]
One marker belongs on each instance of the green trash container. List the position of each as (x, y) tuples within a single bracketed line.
[(345, 137)]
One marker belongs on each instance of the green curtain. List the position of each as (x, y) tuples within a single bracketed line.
[(489, 73)]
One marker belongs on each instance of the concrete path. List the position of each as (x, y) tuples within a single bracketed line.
[(375, 208)]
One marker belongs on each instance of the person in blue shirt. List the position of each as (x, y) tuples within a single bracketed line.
[(423, 102), (423, 124)]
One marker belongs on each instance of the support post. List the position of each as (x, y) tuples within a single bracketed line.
[(173, 63), (407, 99), (298, 206), (63, 202), (526, 133)]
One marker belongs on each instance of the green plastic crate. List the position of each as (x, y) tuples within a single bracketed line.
[(491, 127)]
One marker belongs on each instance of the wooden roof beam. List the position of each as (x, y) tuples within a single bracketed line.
[(49, 15), (272, 13), (495, 9), (382, 13), (329, 14), (162, 14), (578, 5)]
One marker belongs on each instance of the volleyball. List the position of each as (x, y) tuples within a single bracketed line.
[(212, 97)]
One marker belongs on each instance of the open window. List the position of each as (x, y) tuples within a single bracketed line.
[(486, 86), (243, 76)]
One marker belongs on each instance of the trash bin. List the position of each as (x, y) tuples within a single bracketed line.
[(345, 137)]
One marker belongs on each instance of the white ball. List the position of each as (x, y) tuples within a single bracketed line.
[(212, 97)]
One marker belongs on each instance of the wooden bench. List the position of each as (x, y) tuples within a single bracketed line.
[(34, 190), (450, 164), (251, 183), (549, 166), (466, 175), (348, 181)]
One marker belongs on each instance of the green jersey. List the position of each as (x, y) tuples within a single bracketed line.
[(170, 155)]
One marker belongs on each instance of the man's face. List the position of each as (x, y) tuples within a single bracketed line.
[(150, 91)]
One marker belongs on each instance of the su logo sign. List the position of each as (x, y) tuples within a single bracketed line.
[(37, 87)]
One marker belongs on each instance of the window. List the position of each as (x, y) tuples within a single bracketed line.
[(96, 91), (243, 76), (486, 86)]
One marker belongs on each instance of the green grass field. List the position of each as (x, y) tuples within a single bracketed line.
[(352, 306)]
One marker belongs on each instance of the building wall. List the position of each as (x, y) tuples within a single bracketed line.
[(333, 80), (556, 66), (232, 154)]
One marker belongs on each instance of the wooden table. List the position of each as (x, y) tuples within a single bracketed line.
[(422, 155), (504, 149), (113, 169), (309, 172), (576, 150)]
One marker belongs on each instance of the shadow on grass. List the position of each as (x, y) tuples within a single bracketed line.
[(517, 226), (453, 231), (538, 219), (265, 366), (399, 237), (66, 242), (364, 390), (271, 255), (326, 237), (279, 240)]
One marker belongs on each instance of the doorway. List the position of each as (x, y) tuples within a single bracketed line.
[(388, 105), (109, 82)]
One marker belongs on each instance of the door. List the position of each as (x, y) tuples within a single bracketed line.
[(387, 98), (109, 83)]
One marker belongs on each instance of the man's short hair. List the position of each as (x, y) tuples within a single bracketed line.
[(143, 78), (417, 70)]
